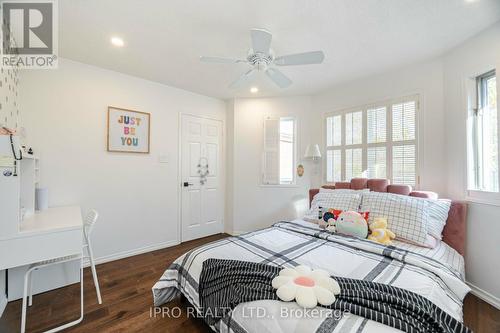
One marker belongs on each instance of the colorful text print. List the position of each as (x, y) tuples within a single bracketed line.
[(129, 130)]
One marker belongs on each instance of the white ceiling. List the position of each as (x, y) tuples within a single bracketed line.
[(164, 39)]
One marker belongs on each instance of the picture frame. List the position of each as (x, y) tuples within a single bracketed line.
[(128, 131)]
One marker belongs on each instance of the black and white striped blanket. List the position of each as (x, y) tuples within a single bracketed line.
[(436, 274), (226, 283)]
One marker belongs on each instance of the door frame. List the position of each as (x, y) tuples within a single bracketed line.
[(222, 171)]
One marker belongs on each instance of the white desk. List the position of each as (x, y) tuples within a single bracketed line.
[(48, 234)]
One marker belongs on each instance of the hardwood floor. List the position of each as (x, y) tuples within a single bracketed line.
[(127, 300)]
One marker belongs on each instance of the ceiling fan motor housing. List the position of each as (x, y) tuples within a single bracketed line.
[(260, 61)]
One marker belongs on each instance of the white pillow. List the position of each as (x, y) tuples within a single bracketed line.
[(438, 214), (406, 216), (336, 199)]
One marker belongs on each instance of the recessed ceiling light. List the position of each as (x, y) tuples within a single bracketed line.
[(117, 41), (254, 90)]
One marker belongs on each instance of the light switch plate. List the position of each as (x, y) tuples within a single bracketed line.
[(163, 158)]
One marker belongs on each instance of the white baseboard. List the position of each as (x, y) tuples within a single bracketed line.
[(3, 304), (130, 253), (485, 296)]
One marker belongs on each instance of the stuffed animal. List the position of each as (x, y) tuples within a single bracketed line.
[(352, 224), (379, 231), (330, 218)]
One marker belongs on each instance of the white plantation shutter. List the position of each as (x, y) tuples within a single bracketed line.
[(334, 131), (334, 165), (271, 154), (377, 162), (404, 121), (354, 128), (375, 141), (404, 152), (376, 125), (286, 153), (404, 165), (353, 163)]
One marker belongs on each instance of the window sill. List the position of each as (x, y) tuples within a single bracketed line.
[(482, 197)]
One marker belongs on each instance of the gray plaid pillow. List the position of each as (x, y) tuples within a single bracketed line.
[(438, 215), (406, 216)]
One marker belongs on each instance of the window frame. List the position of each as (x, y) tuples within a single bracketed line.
[(474, 98), (388, 144), (293, 183)]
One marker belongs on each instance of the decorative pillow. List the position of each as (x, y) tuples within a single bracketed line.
[(307, 287), (331, 213), (340, 200), (438, 214), (406, 216), (352, 224)]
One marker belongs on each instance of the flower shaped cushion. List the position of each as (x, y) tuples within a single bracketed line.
[(308, 287)]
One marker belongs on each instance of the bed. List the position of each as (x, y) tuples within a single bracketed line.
[(436, 274)]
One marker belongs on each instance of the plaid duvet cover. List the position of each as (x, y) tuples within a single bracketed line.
[(434, 274)]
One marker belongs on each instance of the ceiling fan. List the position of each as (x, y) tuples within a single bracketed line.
[(261, 57)]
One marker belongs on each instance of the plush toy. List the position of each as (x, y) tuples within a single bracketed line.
[(330, 218), (352, 224), (308, 287), (379, 231)]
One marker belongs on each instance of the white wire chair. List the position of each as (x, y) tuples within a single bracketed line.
[(88, 225)]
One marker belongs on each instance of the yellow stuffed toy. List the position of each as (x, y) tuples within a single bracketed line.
[(379, 231)]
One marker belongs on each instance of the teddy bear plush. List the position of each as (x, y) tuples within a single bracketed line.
[(379, 231)]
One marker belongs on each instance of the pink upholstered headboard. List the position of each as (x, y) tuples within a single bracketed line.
[(454, 231)]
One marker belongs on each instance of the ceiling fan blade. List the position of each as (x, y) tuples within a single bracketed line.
[(261, 40), (306, 58), (220, 60), (279, 78), (242, 79)]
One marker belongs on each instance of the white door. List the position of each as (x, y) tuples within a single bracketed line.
[(202, 200)]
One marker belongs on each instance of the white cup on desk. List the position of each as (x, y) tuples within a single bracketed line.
[(42, 198)]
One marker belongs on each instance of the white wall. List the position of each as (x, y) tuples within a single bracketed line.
[(3, 297), (256, 206), (136, 196), (425, 79), (10, 117), (476, 56)]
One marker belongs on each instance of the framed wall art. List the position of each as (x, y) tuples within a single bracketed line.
[(128, 131)]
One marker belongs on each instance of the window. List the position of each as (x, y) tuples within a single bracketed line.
[(376, 141), (279, 151), (483, 135)]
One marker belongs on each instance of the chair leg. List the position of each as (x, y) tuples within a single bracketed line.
[(25, 296), (94, 272), (79, 320), (30, 288)]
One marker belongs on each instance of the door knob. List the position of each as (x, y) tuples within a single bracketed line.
[(186, 184)]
